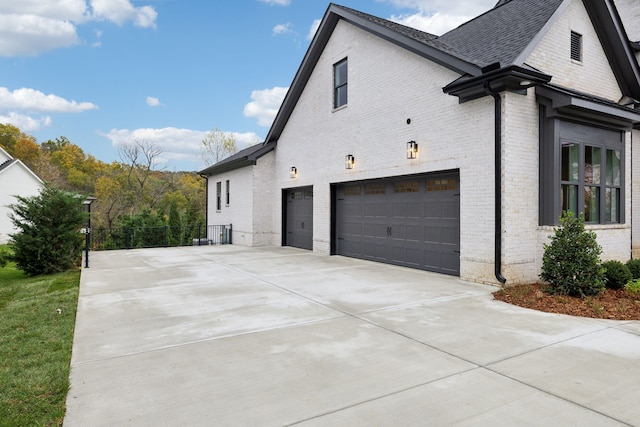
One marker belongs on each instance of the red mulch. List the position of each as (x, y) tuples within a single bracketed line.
[(615, 304)]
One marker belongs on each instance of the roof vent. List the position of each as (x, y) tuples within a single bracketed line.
[(576, 46)]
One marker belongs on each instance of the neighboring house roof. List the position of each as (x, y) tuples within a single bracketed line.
[(16, 162), (242, 158)]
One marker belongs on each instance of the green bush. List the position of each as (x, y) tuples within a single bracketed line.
[(48, 238), (633, 287), (617, 274), (634, 267), (571, 262)]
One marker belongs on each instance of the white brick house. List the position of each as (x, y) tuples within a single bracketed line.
[(16, 179), (519, 114)]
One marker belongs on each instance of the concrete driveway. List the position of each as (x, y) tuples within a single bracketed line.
[(233, 336)]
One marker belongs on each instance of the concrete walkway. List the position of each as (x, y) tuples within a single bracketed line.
[(233, 336)]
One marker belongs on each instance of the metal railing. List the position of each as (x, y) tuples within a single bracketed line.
[(155, 237)]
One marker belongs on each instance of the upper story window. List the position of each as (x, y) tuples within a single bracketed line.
[(576, 46), (218, 196), (340, 84), (228, 198)]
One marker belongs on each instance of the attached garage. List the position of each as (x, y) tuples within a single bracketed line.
[(298, 217), (413, 221)]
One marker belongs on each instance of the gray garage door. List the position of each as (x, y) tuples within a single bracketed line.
[(410, 221), (299, 217)]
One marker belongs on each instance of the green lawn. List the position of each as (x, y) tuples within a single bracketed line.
[(35, 345)]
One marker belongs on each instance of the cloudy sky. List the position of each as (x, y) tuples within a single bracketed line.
[(107, 72)]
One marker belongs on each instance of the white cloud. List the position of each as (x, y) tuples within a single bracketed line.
[(25, 123), (26, 99), (120, 11), (439, 16), (30, 27), (32, 34), (313, 29), (277, 2), (175, 143), (265, 104), (153, 102), (437, 23), (282, 28)]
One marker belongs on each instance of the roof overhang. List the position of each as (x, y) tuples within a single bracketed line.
[(513, 78), (573, 104), (250, 159)]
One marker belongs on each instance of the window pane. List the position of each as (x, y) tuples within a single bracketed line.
[(613, 167), (591, 204), (570, 161), (569, 197), (352, 190), (341, 73), (592, 160), (370, 189), (341, 96), (612, 205), (405, 187)]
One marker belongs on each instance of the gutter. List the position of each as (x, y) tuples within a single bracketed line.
[(498, 183)]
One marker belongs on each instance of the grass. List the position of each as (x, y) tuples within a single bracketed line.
[(35, 345)]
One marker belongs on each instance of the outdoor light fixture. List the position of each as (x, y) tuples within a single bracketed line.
[(349, 161), (293, 172), (412, 150), (86, 206)]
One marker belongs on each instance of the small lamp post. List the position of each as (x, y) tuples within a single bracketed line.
[(86, 207)]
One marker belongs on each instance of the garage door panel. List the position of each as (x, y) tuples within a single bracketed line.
[(299, 218), (406, 221)]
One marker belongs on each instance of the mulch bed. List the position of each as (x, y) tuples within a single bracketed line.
[(614, 304)]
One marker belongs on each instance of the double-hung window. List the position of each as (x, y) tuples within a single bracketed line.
[(590, 181), (340, 84)]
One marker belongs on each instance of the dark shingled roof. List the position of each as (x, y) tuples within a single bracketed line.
[(503, 33), (6, 164), (245, 157)]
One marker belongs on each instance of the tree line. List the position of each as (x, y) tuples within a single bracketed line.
[(134, 189)]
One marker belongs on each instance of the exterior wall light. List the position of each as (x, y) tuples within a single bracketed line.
[(293, 172), (412, 150), (349, 161)]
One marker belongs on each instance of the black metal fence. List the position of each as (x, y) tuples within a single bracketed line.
[(154, 237)]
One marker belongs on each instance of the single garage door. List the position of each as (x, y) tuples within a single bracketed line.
[(409, 221), (299, 217)]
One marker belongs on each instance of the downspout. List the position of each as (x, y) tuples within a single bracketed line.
[(498, 179), (206, 203)]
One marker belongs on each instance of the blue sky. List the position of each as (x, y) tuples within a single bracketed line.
[(108, 72)]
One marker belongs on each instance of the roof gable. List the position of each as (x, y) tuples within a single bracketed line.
[(17, 163), (500, 39)]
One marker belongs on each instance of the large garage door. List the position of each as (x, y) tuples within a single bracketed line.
[(410, 221), (299, 218)]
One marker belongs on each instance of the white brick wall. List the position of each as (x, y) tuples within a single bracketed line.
[(388, 85), (552, 56)]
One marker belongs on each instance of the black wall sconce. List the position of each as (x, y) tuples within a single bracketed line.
[(349, 161), (293, 172), (412, 150)]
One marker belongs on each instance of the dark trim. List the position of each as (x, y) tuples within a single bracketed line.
[(247, 157), (498, 180), (283, 236), (333, 201), (565, 102), (512, 78), (619, 51)]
